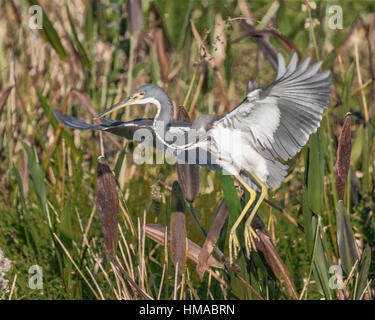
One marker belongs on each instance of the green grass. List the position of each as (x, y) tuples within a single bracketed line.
[(48, 174)]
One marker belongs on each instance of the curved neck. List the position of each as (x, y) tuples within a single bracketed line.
[(164, 115)]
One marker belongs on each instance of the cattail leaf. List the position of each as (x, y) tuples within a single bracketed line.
[(107, 203), (343, 157), (178, 239), (156, 232), (364, 267), (135, 15), (188, 174), (271, 259), (347, 247), (217, 224)]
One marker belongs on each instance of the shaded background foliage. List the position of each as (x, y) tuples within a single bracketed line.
[(91, 53)]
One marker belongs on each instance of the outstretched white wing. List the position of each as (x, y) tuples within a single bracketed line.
[(280, 117)]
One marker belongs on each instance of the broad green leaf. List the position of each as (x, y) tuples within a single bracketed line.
[(31, 232), (176, 27), (66, 225), (36, 174), (364, 267), (37, 177), (357, 146), (50, 34), (89, 21), (315, 179), (232, 199), (80, 48), (119, 162), (321, 270), (315, 248), (367, 142), (228, 61)]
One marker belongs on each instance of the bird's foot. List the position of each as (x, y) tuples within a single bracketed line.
[(234, 245), (249, 235)]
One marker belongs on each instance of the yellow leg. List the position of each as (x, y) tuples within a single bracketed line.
[(249, 233), (234, 245)]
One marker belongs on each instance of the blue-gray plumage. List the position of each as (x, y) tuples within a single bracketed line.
[(270, 124)]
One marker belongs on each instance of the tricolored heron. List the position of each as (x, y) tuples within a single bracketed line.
[(271, 124)]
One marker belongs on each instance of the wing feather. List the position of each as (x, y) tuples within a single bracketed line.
[(283, 115)]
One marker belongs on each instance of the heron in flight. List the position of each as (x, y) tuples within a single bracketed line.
[(271, 124)]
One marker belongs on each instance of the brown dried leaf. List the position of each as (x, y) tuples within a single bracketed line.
[(182, 114), (107, 203), (178, 239), (343, 157), (4, 97), (272, 261), (156, 232), (188, 176), (217, 224), (24, 172), (84, 100), (159, 39)]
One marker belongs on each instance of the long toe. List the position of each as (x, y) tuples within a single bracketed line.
[(234, 246), (250, 236)]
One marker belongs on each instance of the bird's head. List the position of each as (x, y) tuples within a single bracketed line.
[(148, 93)]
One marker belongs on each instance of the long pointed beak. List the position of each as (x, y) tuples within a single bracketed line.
[(123, 103)]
